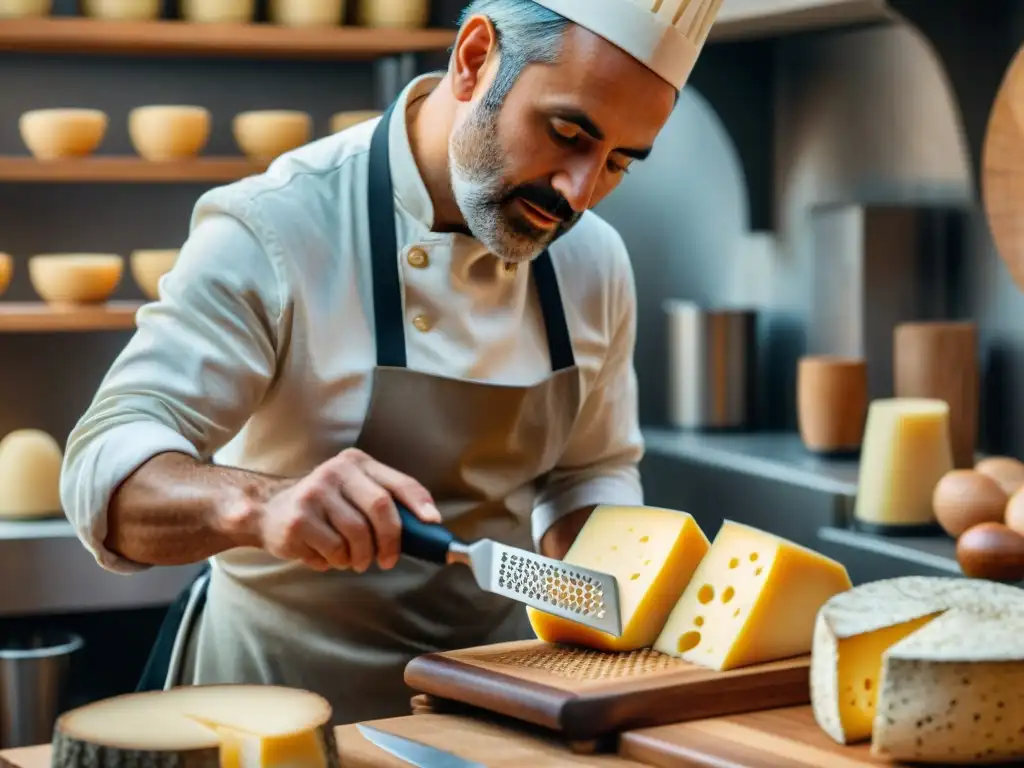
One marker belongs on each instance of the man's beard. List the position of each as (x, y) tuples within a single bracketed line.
[(489, 205)]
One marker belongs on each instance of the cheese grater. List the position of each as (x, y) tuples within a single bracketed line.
[(578, 594)]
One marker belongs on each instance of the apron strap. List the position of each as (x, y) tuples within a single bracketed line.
[(389, 320)]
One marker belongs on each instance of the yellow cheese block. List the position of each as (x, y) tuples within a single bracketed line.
[(30, 461), (233, 726), (753, 599), (651, 552), (906, 452)]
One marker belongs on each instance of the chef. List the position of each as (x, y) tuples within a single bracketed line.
[(420, 308)]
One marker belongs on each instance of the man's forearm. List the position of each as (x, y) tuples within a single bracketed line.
[(563, 532), (174, 510)]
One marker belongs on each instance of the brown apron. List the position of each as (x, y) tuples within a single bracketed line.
[(478, 447)]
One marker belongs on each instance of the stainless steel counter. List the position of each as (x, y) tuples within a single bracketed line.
[(44, 569)]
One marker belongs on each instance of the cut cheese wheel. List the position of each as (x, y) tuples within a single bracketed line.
[(930, 669), (651, 552), (753, 599), (30, 461), (906, 452), (227, 726)]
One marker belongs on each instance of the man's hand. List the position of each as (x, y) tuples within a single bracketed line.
[(341, 515)]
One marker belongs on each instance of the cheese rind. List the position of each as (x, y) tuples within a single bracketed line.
[(753, 599), (231, 726), (651, 552), (947, 659)]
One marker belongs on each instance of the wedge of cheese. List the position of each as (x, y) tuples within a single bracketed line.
[(930, 669), (753, 599), (229, 726), (651, 552)]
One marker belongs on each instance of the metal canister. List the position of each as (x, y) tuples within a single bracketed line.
[(712, 361)]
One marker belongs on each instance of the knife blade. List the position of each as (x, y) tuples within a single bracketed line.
[(414, 752), (578, 594)]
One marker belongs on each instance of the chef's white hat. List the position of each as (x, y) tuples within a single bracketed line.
[(666, 35)]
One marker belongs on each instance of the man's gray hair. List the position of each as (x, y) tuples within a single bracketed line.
[(528, 33)]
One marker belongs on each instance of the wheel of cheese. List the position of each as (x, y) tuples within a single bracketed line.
[(307, 13), (930, 669), (75, 278), (122, 10), (393, 13), (148, 266), (342, 120), (24, 9), (264, 135), (234, 726), (162, 133), (52, 134), (218, 11), (6, 271), (30, 462)]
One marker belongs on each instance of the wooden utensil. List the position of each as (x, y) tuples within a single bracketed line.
[(779, 738), (494, 745), (1002, 172), (940, 360), (832, 403), (585, 694)]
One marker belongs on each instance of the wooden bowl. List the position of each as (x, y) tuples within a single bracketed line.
[(264, 135), (75, 278), (25, 9), (122, 10), (307, 13), (6, 271), (54, 134), (404, 14), (148, 266), (342, 120), (218, 11), (169, 132)]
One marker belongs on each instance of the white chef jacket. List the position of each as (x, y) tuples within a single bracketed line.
[(271, 297)]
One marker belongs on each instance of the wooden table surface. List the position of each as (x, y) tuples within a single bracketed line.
[(476, 739)]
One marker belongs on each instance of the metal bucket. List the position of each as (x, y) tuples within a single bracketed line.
[(712, 361), (34, 670)]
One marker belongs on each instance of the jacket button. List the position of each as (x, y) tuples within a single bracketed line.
[(422, 323), (418, 258)]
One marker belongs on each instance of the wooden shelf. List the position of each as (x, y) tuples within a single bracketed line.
[(38, 317), (129, 169), (179, 38), (749, 19)]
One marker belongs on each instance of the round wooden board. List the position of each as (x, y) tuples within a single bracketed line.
[(1002, 175)]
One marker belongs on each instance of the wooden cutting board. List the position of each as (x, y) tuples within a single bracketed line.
[(494, 745), (780, 738), (585, 695), (1002, 172)]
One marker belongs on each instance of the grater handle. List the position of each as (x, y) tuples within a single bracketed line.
[(424, 541)]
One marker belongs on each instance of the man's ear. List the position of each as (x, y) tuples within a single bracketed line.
[(475, 54)]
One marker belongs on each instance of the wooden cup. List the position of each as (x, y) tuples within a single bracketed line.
[(940, 360), (832, 403)]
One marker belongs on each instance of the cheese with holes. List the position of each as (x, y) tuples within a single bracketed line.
[(906, 452), (651, 552), (930, 669), (217, 726), (753, 599)]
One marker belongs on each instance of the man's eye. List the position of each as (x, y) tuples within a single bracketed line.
[(565, 131)]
